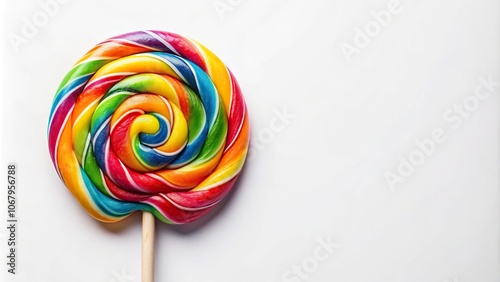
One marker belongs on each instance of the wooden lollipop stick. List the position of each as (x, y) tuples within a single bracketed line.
[(148, 246)]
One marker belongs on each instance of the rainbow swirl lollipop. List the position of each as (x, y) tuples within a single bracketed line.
[(150, 121)]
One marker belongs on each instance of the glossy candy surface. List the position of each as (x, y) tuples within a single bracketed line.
[(149, 120)]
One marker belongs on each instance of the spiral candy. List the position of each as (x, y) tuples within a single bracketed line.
[(151, 121)]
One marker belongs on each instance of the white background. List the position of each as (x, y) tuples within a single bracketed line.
[(321, 176)]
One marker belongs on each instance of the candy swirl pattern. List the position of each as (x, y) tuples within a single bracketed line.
[(151, 121)]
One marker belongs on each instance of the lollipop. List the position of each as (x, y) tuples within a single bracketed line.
[(149, 121)]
